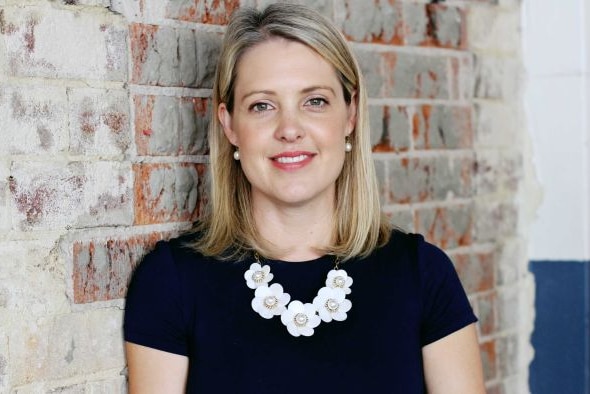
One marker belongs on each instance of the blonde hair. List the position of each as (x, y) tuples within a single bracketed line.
[(229, 231)]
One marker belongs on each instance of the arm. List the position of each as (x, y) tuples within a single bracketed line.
[(155, 371), (452, 365)]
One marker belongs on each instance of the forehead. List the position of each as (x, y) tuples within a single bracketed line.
[(279, 61)]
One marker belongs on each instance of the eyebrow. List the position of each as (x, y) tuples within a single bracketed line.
[(306, 90)]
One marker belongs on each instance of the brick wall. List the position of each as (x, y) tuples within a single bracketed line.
[(104, 107)]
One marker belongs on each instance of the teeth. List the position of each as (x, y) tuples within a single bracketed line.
[(295, 159)]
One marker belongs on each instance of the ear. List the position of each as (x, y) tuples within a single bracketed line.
[(226, 122), (352, 114)]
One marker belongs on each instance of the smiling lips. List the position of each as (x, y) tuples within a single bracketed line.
[(291, 160)]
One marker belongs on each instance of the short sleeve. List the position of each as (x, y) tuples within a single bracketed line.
[(153, 309), (446, 308)]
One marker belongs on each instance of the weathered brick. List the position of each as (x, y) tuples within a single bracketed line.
[(115, 385), (448, 227), (99, 121), (494, 30), (101, 268), (428, 178), (497, 171), (4, 384), (66, 345), (463, 80), (434, 25), (98, 3), (509, 251), (325, 7), (402, 220), (167, 125), (497, 78), (486, 313), (495, 388), (131, 10), (382, 23), (53, 195), (497, 125), (5, 217), (495, 219), (154, 50), (382, 181), (442, 127), (476, 271), (187, 57), (169, 192), (32, 33), (208, 46), (390, 128), (508, 355), (216, 12), (34, 120), (489, 360), (405, 75), (30, 275), (508, 308), (165, 56)]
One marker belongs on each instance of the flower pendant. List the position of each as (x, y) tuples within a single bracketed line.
[(300, 319)]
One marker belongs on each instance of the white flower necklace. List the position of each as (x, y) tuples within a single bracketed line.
[(299, 318)]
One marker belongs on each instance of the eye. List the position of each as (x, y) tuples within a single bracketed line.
[(260, 107), (317, 102)]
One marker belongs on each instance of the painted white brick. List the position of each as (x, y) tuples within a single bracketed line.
[(32, 278), (99, 121), (33, 120), (62, 346), (494, 31), (39, 42), (54, 195)]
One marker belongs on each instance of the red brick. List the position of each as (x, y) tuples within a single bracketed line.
[(435, 25), (406, 75), (428, 179), (215, 12), (495, 389), (476, 271), (390, 128), (382, 23), (447, 227), (101, 269), (489, 359), (171, 125), (142, 37), (169, 192), (442, 127), (486, 309)]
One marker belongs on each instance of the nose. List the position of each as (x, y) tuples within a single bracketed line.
[(289, 127)]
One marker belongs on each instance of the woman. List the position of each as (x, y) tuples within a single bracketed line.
[(295, 282)]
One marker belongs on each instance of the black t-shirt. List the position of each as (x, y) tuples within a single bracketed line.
[(404, 296)]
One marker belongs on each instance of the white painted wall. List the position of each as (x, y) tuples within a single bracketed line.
[(557, 57)]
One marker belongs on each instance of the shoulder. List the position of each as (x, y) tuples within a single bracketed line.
[(409, 251), (411, 244)]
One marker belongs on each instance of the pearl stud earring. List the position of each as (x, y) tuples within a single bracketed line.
[(347, 146)]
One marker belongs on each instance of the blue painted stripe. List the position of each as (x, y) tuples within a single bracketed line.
[(561, 337)]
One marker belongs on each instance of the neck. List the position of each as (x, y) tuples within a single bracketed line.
[(295, 233)]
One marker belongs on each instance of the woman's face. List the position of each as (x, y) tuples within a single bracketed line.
[(289, 122)]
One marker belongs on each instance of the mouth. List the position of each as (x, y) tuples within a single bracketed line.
[(290, 159)]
